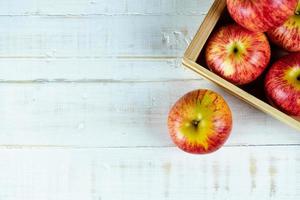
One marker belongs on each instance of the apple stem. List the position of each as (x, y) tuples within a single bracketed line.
[(298, 77), (297, 13)]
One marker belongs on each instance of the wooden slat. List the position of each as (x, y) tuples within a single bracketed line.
[(98, 7), (91, 70), (164, 173), (96, 36), (112, 114)]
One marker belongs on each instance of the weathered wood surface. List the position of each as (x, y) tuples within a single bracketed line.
[(116, 113), (85, 88), (149, 173)]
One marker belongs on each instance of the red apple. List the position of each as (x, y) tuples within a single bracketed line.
[(261, 15), (282, 84), (287, 35), (200, 122), (238, 55)]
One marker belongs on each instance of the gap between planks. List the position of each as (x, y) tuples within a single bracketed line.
[(70, 147), (82, 81), (70, 15)]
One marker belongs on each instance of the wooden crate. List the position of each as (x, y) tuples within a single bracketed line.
[(252, 93)]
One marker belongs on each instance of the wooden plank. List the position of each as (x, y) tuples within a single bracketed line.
[(83, 70), (100, 7), (96, 36), (113, 114), (159, 173)]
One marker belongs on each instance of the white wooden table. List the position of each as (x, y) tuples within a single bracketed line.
[(86, 86)]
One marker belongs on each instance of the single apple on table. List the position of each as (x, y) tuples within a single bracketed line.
[(237, 54), (287, 35), (261, 15), (200, 122), (282, 84)]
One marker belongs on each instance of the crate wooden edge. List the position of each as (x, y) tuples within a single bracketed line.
[(203, 33), (241, 94)]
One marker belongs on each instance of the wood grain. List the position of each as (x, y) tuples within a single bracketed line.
[(92, 70), (85, 90), (116, 114), (150, 173), (96, 36), (103, 7)]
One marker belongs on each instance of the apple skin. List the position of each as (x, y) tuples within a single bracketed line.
[(261, 15), (200, 122), (287, 35), (282, 84), (237, 54)]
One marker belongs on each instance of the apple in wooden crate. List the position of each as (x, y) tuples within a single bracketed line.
[(282, 84), (287, 35), (237, 54), (200, 122), (261, 15)]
